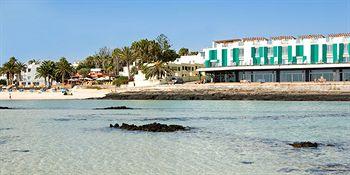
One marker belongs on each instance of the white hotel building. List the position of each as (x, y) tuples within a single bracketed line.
[(279, 59)]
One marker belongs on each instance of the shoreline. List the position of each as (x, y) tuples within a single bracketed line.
[(332, 91), (227, 95), (77, 94)]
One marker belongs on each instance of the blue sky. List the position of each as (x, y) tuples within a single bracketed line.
[(49, 29)]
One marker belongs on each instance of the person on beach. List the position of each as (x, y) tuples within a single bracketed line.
[(10, 96)]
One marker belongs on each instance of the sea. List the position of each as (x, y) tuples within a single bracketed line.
[(226, 137)]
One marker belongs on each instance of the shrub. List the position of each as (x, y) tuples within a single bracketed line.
[(3, 82), (120, 80)]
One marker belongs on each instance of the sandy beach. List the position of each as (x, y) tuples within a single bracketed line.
[(76, 94), (332, 91)]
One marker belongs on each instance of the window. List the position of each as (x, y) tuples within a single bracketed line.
[(241, 53), (285, 50), (270, 51), (346, 47), (329, 49), (178, 69), (256, 52), (29, 70)]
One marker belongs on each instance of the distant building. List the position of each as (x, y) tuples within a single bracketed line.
[(28, 77), (186, 66), (279, 59)]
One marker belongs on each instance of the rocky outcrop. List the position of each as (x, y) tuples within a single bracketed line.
[(2, 107), (152, 127), (304, 145), (113, 108), (214, 94)]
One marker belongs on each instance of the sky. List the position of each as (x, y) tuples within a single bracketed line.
[(75, 29)]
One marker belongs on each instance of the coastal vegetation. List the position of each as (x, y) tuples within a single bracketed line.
[(149, 56), (12, 68)]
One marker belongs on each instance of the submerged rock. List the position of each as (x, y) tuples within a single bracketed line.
[(114, 108), (152, 127), (2, 107), (304, 145)]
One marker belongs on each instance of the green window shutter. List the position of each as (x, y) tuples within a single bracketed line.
[(207, 63), (272, 60), (253, 52), (324, 53), (335, 53), (314, 54), (266, 58), (213, 55), (210, 54), (294, 61), (224, 57), (341, 52), (279, 54), (261, 54), (349, 48), (275, 50), (235, 54), (300, 50), (290, 54)]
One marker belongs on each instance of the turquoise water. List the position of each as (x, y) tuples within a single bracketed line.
[(228, 137)]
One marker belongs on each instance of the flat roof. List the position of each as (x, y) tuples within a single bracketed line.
[(269, 67)]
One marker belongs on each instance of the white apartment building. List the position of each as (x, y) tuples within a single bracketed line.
[(279, 59)]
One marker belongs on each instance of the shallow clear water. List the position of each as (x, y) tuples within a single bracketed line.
[(229, 137)]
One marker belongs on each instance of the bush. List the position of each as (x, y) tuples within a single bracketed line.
[(120, 80), (3, 82)]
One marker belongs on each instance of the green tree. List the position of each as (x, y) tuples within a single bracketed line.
[(126, 55), (157, 70), (168, 56), (19, 68), (63, 69), (11, 68), (33, 61), (183, 51), (84, 72), (146, 51), (47, 71), (163, 42), (116, 61)]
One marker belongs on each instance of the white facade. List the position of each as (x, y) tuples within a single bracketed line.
[(246, 57), (28, 76), (191, 59)]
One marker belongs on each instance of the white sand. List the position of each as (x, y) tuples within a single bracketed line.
[(77, 94)]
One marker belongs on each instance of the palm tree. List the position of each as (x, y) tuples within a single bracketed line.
[(159, 69), (11, 68), (116, 61), (145, 50), (33, 61), (46, 71), (63, 68), (126, 55), (19, 68)]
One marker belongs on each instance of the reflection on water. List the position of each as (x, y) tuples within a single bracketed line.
[(229, 137)]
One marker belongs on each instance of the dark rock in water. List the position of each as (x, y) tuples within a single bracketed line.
[(110, 125), (23, 151), (2, 107), (153, 127), (332, 145), (114, 108), (247, 162), (304, 145)]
